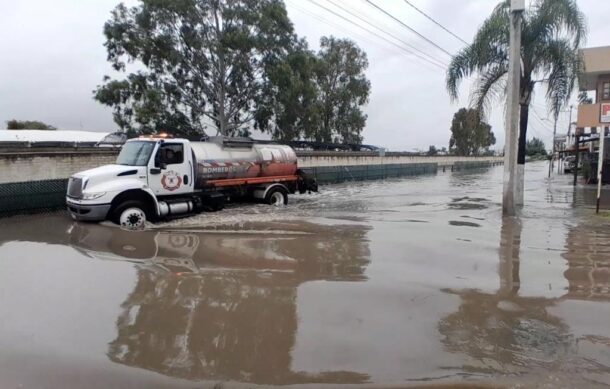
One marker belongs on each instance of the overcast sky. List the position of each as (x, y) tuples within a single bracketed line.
[(52, 58)]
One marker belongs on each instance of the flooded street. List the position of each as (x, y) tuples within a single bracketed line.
[(405, 282)]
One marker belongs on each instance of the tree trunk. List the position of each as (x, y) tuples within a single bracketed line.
[(222, 117), (220, 75), (326, 136)]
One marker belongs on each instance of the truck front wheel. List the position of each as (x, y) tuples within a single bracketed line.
[(130, 214), (277, 196)]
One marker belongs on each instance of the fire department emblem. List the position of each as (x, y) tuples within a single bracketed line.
[(171, 180)]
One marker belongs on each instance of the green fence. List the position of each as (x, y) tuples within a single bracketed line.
[(467, 165), (335, 174), (32, 196), (49, 195)]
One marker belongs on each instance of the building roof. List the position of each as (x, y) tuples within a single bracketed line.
[(50, 136), (596, 61)]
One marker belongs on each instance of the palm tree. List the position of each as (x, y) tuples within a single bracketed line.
[(553, 31)]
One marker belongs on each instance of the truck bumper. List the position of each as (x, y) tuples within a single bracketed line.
[(86, 212)]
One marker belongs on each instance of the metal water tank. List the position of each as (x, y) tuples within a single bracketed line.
[(226, 158)]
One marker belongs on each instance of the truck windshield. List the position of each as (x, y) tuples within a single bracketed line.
[(135, 153)]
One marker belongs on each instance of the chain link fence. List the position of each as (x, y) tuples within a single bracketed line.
[(49, 195), (336, 174), (32, 197)]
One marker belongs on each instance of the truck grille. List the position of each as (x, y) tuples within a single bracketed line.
[(75, 187)]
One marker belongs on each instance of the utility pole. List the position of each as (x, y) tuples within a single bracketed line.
[(576, 161), (566, 141), (553, 152), (600, 166), (509, 199)]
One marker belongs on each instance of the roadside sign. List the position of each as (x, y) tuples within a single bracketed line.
[(605, 113)]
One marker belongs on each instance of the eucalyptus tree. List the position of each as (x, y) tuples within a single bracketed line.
[(319, 95), (470, 134), (343, 89), (290, 108), (553, 31), (196, 63)]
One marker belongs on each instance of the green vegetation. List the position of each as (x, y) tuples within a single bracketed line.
[(553, 30), (230, 65), (28, 125), (317, 96), (535, 148), (343, 90), (470, 135)]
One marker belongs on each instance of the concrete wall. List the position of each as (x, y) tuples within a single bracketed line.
[(318, 159), (36, 165), (49, 164), (596, 61), (34, 180)]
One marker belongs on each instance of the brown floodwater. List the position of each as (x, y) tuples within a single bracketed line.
[(397, 283)]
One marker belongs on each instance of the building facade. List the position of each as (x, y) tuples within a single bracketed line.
[(594, 77)]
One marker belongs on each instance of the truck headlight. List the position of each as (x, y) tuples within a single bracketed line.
[(93, 196)]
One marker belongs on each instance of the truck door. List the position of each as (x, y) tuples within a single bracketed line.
[(171, 169)]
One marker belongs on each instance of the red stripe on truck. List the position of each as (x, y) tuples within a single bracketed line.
[(249, 181)]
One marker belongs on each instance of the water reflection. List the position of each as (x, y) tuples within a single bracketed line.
[(503, 331), (51, 229), (587, 252), (309, 251), (232, 300), (468, 203), (221, 305), (509, 254), (509, 333)]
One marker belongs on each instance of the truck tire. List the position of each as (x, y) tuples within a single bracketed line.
[(130, 214), (277, 196)]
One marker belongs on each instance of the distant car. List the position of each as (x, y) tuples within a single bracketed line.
[(115, 139), (569, 164)]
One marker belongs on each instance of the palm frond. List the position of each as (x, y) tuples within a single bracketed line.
[(461, 66), (562, 64), (488, 49), (553, 30), (562, 16), (490, 86)]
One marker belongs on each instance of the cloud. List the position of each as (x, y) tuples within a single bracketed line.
[(53, 57)]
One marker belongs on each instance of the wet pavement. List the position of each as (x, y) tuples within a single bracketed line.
[(408, 282)]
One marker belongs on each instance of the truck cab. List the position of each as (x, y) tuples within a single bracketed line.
[(156, 177), (145, 169)]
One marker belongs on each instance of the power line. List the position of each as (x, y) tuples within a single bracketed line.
[(535, 131), (540, 120), (388, 33), (377, 35), (435, 22), (328, 22), (409, 28)]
